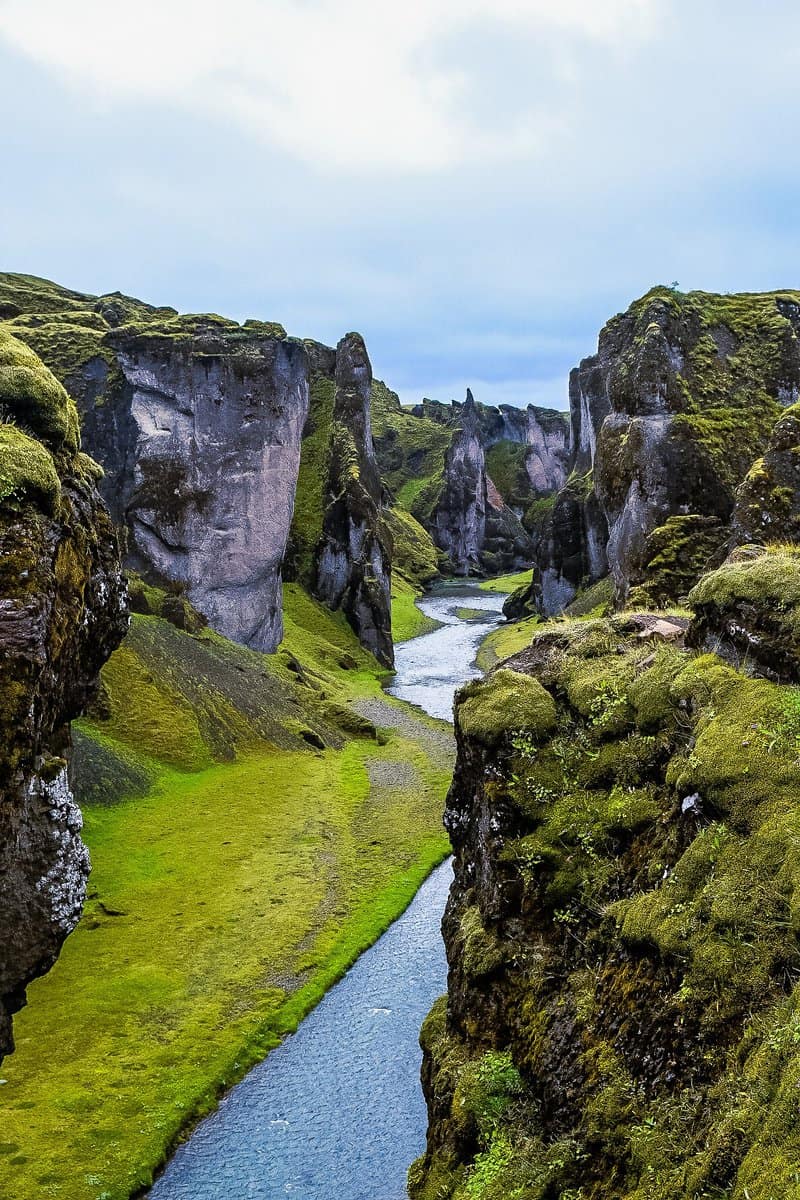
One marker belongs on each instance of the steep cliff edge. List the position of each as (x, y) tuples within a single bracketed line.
[(668, 418), (353, 567), (197, 422), (62, 612), (624, 987)]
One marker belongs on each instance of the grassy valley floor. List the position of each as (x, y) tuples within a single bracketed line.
[(225, 896)]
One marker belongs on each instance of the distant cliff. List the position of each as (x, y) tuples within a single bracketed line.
[(62, 612), (474, 476)]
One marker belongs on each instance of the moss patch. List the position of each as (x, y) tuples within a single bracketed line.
[(26, 469), (31, 394), (507, 701)]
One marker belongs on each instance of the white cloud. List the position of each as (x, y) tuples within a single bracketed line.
[(349, 84)]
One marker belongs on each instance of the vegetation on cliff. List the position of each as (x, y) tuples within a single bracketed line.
[(625, 964)]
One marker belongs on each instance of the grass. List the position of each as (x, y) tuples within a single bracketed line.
[(507, 583), (408, 621), (504, 641), (223, 902)]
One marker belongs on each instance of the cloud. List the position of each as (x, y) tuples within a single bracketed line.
[(353, 85)]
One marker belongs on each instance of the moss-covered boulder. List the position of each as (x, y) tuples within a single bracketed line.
[(748, 611), (30, 395), (504, 703)]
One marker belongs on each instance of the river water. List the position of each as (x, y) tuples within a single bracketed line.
[(336, 1111)]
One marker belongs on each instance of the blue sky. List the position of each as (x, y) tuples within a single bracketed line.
[(475, 187)]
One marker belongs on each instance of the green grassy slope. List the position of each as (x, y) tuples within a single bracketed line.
[(250, 834)]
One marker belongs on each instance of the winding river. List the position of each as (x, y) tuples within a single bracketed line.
[(336, 1111)]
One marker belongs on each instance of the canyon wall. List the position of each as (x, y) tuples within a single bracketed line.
[(199, 424), (623, 958), (667, 419), (353, 569), (62, 612)]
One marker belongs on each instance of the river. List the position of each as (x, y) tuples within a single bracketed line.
[(336, 1111)]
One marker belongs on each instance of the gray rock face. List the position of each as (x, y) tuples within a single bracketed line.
[(459, 526), (354, 556), (202, 451), (547, 435), (544, 431), (472, 523)]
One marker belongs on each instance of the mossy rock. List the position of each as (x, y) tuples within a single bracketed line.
[(27, 469), (748, 610), (507, 701), (31, 395)]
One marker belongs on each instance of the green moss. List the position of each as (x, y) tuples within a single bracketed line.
[(488, 709), (306, 527), (410, 451), (506, 467), (26, 469), (33, 396), (408, 620), (675, 555), (506, 640), (506, 583), (414, 555), (481, 951), (771, 580)]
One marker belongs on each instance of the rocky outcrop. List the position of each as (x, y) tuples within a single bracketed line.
[(207, 436), (622, 987), (746, 612), (209, 487), (668, 417), (767, 505), (470, 521), (353, 570), (459, 522), (531, 446), (571, 549), (62, 612)]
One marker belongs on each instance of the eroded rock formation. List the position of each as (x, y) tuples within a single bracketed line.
[(353, 570), (667, 419), (199, 423), (459, 522), (62, 612)]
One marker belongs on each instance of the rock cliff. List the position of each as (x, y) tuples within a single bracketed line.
[(353, 562), (200, 424), (468, 516), (62, 612), (623, 990), (668, 417), (459, 519)]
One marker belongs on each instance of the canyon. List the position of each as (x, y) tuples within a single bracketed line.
[(620, 934)]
